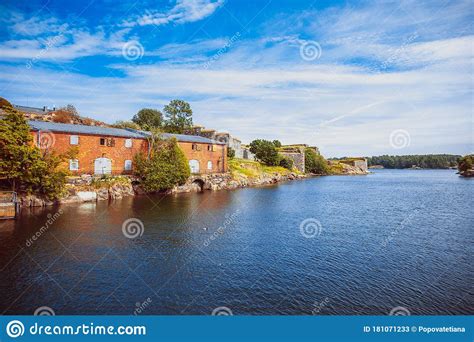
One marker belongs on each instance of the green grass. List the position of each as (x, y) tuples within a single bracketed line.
[(253, 169)]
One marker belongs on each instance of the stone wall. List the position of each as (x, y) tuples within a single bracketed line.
[(296, 154), (86, 189), (358, 163)]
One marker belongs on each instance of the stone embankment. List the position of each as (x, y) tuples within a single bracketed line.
[(227, 181), (91, 189)]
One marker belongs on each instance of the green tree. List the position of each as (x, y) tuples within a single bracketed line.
[(277, 143), (166, 166), (148, 118), (315, 163), (27, 167), (230, 153), (179, 116), (126, 124), (265, 152), (465, 165)]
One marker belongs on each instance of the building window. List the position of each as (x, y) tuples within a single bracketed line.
[(73, 164), (128, 143), (110, 142), (74, 140), (209, 165), (128, 165), (196, 147), (209, 147)]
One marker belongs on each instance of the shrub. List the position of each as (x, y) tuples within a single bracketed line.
[(165, 168), (286, 162), (315, 163)]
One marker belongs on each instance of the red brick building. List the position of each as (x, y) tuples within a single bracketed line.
[(105, 150)]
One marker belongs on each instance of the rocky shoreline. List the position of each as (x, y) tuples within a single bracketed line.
[(89, 189)]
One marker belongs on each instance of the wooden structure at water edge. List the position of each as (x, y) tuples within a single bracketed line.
[(8, 205)]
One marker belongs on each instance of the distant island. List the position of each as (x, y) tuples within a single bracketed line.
[(421, 161)]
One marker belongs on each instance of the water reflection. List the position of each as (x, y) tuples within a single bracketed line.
[(243, 249)]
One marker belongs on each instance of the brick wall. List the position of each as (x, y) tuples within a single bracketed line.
[(90, 149), (201, 153)]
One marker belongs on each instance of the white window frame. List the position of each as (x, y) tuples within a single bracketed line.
[(73, 162), (209, 164), (128, 143), (130, 165), (74, 140)]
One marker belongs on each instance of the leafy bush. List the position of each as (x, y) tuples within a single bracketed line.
[(165, 168), (287, 163), (315, 163)]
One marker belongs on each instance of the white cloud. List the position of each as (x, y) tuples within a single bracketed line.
[(420, 80), (184, 11)]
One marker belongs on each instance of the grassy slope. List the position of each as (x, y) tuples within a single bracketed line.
[(253, 169)]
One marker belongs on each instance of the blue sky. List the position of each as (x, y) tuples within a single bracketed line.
[(354, 78)]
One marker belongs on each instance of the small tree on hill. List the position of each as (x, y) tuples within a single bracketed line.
[(265, 152), (179, 116), (72, 109), (165, 168), (148, 118)]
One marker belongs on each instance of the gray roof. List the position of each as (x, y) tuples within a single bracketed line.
[(110, 131), (35, 110), (192, 138)]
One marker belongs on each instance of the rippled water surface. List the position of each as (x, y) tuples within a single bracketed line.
[(369, 244)]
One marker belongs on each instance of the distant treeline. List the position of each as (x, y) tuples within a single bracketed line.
[(425, 161)]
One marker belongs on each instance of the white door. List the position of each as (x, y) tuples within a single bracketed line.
[(194, 166), (102, 166)]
